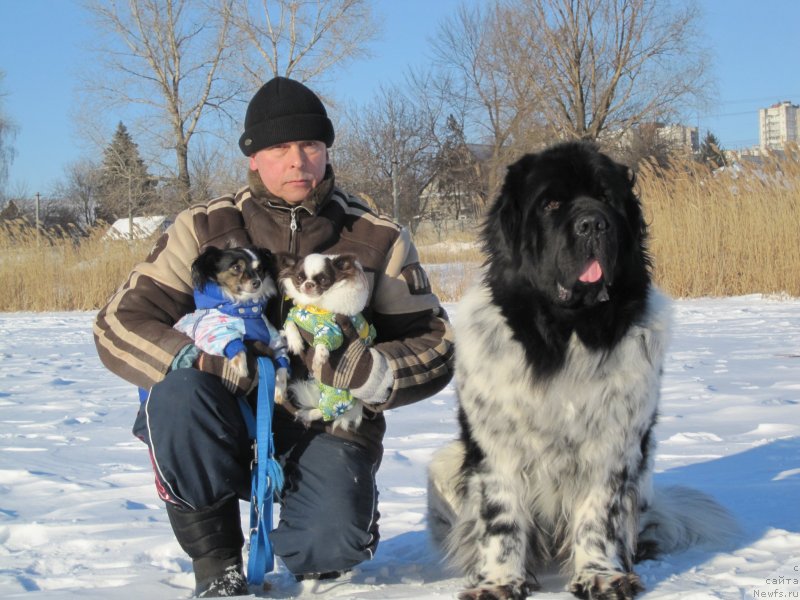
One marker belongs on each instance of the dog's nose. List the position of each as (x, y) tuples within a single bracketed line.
[(589, 224)]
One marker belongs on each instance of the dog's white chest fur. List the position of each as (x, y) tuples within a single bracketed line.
[(576, 426)]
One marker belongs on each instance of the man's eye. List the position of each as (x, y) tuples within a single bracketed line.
[(277, 149)]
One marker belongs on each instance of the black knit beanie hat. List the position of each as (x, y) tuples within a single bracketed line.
[(284, 110)]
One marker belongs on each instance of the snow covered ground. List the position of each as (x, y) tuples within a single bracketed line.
[(79, 517)]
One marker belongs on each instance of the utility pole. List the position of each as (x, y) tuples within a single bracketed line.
[(38, 199), (395, 195)]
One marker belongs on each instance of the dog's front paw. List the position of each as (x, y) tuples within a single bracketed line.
[(307, 415), (281, 383), (606, 585), (350, 420), (321, 356), (294, 341), (239, 364), (498, 592)]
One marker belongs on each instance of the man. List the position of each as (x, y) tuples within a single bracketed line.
[(191, 420)]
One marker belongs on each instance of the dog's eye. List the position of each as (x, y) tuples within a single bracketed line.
[(552, 205), (236, 269)]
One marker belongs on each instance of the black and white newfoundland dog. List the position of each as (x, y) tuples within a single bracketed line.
[(559, 355)]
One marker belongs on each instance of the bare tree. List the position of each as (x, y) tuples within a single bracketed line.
[(386, 151), (644, 143), (594, 68), (81, 189), (528, 72), (302, 39), (8, 131), (167, 58), (215, 171), (482, 87)]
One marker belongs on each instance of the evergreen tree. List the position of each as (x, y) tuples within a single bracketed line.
[(456, 177), (711, 152), (126, 188)]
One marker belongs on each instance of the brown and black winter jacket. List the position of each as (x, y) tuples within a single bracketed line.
[(134, 334)]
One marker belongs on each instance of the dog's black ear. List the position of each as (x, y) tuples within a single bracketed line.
[(204, 267), (503, 225), (267, 259), (633, 206)]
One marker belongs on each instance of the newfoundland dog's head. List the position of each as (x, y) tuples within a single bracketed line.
[(565, 242)]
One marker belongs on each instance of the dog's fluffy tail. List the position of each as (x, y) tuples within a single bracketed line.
[(679, 518), (444, 476)]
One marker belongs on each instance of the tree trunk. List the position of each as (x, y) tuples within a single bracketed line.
[(184, 179)]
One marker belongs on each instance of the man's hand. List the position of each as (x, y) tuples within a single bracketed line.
[(353, 366), (233, 381)]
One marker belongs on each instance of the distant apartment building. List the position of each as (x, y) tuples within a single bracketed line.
[(672, 136), (679, 137), (778, 124)]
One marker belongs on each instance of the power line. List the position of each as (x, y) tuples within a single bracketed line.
[(735, 114), (762, 99)]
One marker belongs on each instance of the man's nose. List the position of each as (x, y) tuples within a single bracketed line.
[(297, 155)]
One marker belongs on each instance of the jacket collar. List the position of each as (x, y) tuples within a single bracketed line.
[(316, 199)]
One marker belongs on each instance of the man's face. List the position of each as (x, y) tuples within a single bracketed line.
[(292, 169)]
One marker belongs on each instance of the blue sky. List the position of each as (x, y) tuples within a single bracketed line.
[(755, 46)]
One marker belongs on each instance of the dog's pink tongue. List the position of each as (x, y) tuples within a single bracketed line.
[(592, 273)]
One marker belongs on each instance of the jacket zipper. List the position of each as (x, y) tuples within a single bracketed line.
[(293, 231), (292, 249)]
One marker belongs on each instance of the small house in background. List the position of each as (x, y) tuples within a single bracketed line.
[(10, 212), (454, 193), (143, 228)]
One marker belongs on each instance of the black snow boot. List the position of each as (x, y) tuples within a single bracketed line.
[(231, 583), (213, 538)]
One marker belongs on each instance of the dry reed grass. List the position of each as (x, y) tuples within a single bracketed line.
[(721, 234), (728, 233), (53, 272)]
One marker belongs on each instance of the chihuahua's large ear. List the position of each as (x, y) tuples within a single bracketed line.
[(267, 260), (286, 260), (204, 267), (345, 262)]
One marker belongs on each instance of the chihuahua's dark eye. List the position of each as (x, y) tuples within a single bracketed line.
[(236, 269), (323, 280)]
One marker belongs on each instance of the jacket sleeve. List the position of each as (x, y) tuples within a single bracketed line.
[(413, 330), (133, 332)]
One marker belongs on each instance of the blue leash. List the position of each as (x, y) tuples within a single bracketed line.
[(266, 472)]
